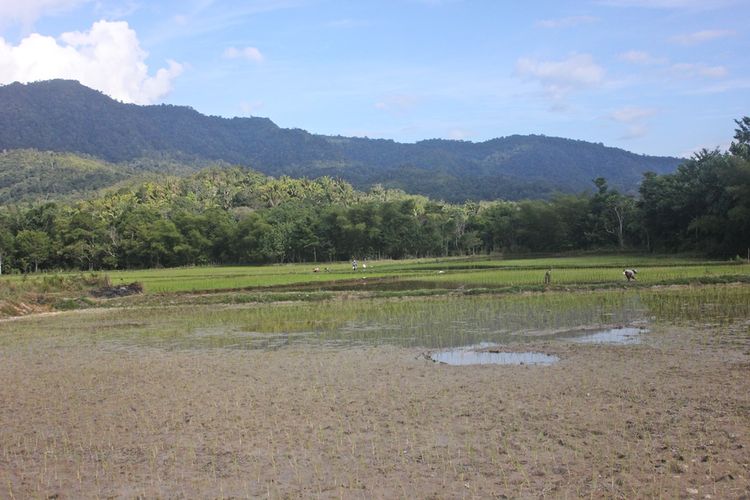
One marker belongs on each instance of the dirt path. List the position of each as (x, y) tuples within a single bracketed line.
[(670, 417)]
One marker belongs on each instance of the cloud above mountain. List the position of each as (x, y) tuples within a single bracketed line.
[(108, 57), (559, 78)]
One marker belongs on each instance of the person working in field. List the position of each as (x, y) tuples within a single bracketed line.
[(630, 274)]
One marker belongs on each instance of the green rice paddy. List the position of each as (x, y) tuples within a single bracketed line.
[(449, 301), (433, 273), (432, 322)]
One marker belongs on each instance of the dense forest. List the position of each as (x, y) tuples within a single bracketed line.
[(28, 175), (234, 215), (65, 116)]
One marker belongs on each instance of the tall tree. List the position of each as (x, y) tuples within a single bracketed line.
[(742, 136), (610, 213), (6, 244), (34, 247)]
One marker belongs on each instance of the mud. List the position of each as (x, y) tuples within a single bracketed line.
[(669, 417)]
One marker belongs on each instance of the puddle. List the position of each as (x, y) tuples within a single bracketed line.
[(628, 335), (461, 357)]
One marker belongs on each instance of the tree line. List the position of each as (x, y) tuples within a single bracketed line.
[(237, 216)]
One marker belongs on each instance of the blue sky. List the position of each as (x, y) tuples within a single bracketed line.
[(661, 77)]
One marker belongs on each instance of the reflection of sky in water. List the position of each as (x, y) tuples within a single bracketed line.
[(613, 336), (466, 357), (475, 355)]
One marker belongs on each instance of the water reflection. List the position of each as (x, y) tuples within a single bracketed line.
[(461, 357), (625, 335)]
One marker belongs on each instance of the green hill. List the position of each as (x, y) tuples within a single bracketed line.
[(29, 175)]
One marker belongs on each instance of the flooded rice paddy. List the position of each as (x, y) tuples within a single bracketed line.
[(432, 323), (435, 324), (338, 399)]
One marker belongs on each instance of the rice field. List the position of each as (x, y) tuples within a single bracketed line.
[(280, 382), (432, 322), (587, 275), (487, 273), (426, 273)]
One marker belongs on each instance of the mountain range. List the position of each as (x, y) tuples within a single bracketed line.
[(65, 116)]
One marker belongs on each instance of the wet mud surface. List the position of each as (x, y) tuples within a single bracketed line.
[(669, 416)]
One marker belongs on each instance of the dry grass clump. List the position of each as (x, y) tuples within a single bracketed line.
[(28, 295)]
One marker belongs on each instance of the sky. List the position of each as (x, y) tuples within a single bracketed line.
[(664, 77)]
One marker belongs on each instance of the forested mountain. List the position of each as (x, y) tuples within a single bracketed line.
[(29, 175), (65, 116)]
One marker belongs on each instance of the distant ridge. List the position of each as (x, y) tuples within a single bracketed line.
[(65, 116)]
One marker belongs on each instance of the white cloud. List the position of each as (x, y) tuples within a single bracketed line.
[(250, 108), (635, 131), (119, 9), (701, 36), (459, 134), (723, 86), (108, 58), (397, 103), (248, 53), (28, 11), (630, 114), (345, 23), (720, 145), (559, 78), (633, 117), (678, 70), (640, 57), (566, 22), (693, 70)]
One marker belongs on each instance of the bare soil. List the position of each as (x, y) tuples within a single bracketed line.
[(666, 418)]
